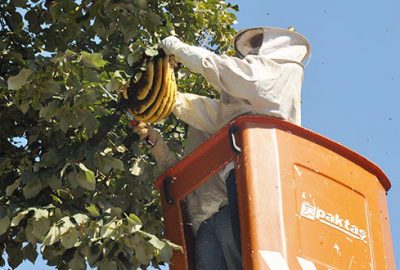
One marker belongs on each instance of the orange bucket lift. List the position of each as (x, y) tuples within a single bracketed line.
[(305, 202)]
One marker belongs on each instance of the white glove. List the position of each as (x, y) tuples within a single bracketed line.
[(191, 56), (169, 44)]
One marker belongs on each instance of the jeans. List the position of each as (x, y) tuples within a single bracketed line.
[(216, 248)]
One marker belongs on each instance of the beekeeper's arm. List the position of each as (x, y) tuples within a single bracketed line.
[(160, 151), (237, 77), (197, 111), (191, 56), (250, 78)]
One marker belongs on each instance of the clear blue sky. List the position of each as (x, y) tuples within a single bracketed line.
[(351, 91)]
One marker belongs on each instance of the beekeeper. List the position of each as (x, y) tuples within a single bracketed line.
[(264, 78)]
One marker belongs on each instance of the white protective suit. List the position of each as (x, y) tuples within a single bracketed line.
[(266, 81)]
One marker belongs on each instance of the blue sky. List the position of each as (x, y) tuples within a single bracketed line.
[(351, 92)]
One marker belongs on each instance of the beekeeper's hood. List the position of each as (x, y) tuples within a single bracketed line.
[(275, 43)]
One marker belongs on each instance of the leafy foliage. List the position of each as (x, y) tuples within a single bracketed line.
[(73, 179)]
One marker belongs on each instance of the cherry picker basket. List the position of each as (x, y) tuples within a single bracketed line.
[(305, 202)]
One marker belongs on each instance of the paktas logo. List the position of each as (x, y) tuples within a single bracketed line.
[(313, 212)]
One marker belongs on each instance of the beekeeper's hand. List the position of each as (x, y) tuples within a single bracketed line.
[(170, 44), (160, 151), (191, 56), (144, 131)]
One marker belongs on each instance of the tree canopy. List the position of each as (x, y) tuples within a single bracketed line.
[(73, 177)]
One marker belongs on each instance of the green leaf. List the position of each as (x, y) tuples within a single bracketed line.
[(40, 227), (40, 213), (86, 179), (66, 225), (93, 254), (56, 199), (30, 252), (19, 3), (68, 53), (114, 84), (151, 52), (24, 107), (141, 3), (108, 229), (11, 188), (29, 234), (15, 221), (174, 246), (107, 163), (32, 188), (133, 58), (26, 177), (129, 27), (137, 167), (81, 219), (49, 86), (154, 18), (15, 256), (94, 60), (73, 178), (165, 254), (134, 223), (91, 75), (52, 236), (77, 262), (19, 80), (83, 167), (107, 265), (62, 173), (53, 254), (54, 182), (69, 239), (15, 21), (115, 163), (157, 243), (33, 20), (3, 212), (141, 253), (49, 158), (92, 209), (4, 224), (50, 110), (91, 124), (234, 7)]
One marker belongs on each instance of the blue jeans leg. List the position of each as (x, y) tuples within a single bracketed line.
[(216, 248), (224, 232), (208, 252)]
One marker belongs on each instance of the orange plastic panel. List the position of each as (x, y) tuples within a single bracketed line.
[(305, 202), (188, 175)]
